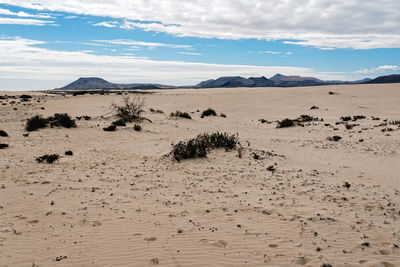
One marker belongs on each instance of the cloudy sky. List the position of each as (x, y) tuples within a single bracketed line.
[(47, 43)]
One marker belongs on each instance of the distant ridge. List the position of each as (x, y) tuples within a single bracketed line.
[(95, 83), (394, 78), (278, 80)]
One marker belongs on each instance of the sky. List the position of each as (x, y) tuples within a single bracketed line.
[(45, 44)]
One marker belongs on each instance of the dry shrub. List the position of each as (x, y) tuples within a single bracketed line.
[(199, 146), (131, 108)]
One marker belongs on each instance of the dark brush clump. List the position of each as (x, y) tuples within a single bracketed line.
[(199, 146), (223, 115), (3, 133), (285, 123), (346, 118), (48, 158), (208, 112), (156, 111), (25, 96), (69, 153), (120, 122), (2, 146), (299, 121), (358, 117), (35, 123), (61, 120), (314, 107), (335, 138), (137, 127), (110, 128), (179, 114)]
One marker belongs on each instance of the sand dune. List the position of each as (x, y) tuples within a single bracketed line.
[(119, 201)]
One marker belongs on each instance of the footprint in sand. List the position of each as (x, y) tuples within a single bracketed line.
[(152, 238), (219, 243)]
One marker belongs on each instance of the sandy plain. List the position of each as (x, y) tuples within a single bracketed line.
[(120, 201)]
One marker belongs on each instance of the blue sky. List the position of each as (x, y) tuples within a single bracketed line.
[(47, 43)]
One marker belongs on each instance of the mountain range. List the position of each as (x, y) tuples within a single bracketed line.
[(278, 80)]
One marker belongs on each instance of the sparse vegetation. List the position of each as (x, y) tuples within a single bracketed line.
[(358, 117), (48, 158), (394, 122), (155, 260), (179, 114), (354, 118), (285, 123), (223, 115), (156, 111), (264, 121), (199, 146), (3, 133), (58, 120), (208, 112), (35, 123), (137, 127), (299, 121), (61, 120), (131, 109), (2, 146), (335, 138), (110, 128), (25, 97), (119, 122), (69, 153), (314, 107)]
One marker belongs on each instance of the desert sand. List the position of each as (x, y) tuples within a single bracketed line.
[(121, 201)]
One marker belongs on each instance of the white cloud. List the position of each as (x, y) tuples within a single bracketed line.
[(23, 14), (325, 24), (36, 22), (107, 24), (190, 53), (71, 17), (380, 69), (23, 60), (271, 52), (138, 43)]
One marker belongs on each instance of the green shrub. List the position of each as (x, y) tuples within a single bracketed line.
[(35, 123), (179, 114), (208, 112), (199, 146)]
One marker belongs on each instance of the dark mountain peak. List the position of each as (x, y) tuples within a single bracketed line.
[(278, 77), (394, 78), (89, 83), (261, 81)]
